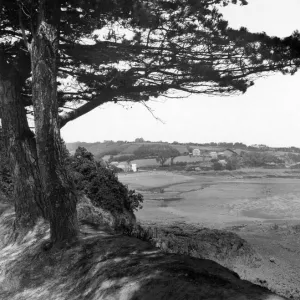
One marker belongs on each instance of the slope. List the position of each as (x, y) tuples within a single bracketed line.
[(106, 265)]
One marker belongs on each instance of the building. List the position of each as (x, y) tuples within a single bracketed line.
[(230, 152), (125, 166), (134, 167), (196, 152), (213, 154), (239, 151)]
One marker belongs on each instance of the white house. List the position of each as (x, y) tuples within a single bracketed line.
[(196, 152), (134, 167), (125, 166)]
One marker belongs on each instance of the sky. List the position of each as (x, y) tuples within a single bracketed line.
[(268, 113)]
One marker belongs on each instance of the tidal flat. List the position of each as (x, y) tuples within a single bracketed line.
[(261, 206)]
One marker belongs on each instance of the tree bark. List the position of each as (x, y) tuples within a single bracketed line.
[(59, 191), (20, 144)]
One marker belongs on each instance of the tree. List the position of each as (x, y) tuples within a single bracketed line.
[(176, 45), (139, 140), (259, 159), (40, 22), (190, 149), (201, 55), (60, 199), (233, 163), (19, 141), (166, 153)]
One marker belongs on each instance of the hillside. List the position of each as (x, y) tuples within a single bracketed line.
[(118, 148), (144, 154), (106, 265)]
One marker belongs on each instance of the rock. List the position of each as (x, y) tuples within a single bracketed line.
[(261, 282), (225, 247), (272, 259), (87, 212)]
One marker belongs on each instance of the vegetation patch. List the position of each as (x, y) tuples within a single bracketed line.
[(100, 184), (225, 247)]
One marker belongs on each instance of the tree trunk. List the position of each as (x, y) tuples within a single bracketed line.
[(20, 144), (59, 190)]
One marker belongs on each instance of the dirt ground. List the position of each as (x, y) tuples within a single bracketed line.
[(262, 206)]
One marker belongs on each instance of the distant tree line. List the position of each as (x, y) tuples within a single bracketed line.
[(260, 159), (248, 159), (151, 152)]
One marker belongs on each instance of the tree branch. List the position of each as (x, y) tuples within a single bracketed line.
[(23, 29), (87, 107), (152, 112)]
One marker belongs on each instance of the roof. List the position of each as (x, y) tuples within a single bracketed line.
[(239, 151), (235, 151), (230, 151)]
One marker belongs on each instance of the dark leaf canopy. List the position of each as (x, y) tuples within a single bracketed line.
[(123, 50)]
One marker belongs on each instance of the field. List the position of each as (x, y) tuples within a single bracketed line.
[(262, 206)]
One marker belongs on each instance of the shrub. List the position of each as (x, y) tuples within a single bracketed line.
[(233, 163), (217, 166), (100, 184)]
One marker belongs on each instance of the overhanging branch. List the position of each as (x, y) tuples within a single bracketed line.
[(87, 107)]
